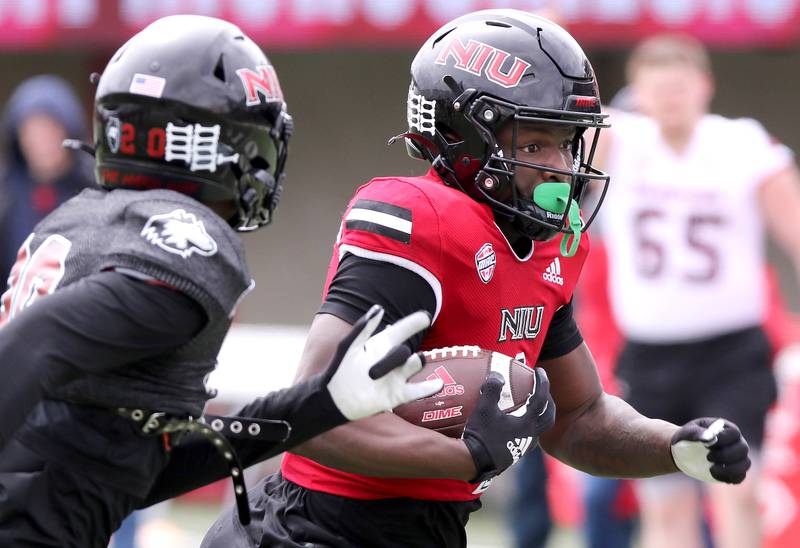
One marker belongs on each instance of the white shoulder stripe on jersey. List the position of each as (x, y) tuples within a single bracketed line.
[(379, 218), (426, 274)]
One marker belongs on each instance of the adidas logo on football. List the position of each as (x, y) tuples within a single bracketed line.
[(450, 388), (518, 446), (553, 272)]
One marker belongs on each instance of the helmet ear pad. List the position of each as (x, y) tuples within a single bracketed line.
[(259, 194), (498, 187)]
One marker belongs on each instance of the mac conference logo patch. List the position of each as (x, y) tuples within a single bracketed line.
[(485, 262)]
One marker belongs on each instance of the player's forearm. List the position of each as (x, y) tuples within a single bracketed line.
[(28, 367), (384, 445), (308, 409), (610, 438), (388, 446), (21, 392)]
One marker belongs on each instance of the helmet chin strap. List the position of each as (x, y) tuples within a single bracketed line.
[(554, 197)]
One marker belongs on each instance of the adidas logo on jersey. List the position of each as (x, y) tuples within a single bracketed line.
[(553, 272), (518, 446)]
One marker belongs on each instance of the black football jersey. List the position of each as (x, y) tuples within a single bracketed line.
[(158, 235)]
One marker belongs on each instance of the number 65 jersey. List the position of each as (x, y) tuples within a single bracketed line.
[(684, 230)]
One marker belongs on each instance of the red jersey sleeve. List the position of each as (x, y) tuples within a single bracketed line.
[(394, 221)]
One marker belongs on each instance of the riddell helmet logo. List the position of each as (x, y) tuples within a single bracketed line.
[(485, 262), (451, 388), (478, 58)]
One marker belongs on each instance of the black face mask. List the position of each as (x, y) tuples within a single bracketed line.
[(552, 207)]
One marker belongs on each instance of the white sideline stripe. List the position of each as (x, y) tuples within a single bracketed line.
[(502, 364), (379, 218), (426, 274)]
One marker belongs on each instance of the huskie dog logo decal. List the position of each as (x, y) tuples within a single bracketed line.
[(180, 233)]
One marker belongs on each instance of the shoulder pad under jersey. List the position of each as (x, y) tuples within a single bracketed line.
[(393, 218), (181, 242)]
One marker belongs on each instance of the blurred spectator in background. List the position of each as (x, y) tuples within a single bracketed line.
[(610, 508), (529, 511), (684, 221), (609, 504), (126, 535), (36, 172)]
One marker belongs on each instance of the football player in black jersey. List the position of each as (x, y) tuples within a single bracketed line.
[(120, 299)]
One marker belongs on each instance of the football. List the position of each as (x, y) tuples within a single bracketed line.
[(463, 370)]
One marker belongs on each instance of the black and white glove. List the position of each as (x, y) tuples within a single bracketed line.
[(369, 373), (497, 439), (711, 450)]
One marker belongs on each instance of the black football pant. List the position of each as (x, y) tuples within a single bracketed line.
[(285, 514), (726, 376)]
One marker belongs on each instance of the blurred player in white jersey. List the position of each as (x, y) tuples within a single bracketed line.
[(685, 219)]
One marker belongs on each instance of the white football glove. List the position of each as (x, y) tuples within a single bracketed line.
[(711, 450), (369, 374)]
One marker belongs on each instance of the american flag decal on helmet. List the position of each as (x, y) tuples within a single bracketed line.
[(380, 218)]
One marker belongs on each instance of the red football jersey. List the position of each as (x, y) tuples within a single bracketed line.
[(485, 296)]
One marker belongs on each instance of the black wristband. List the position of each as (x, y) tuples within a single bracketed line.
[(317, 413)]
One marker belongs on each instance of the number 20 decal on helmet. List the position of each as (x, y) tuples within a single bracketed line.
[(206, 121), (495, 69)]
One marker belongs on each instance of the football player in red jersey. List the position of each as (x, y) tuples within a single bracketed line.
[(120, 299), (491, 242)]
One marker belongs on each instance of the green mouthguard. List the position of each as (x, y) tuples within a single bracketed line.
[(553, 197)]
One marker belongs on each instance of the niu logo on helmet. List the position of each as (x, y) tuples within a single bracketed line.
[(478, 58), (264, 81)]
